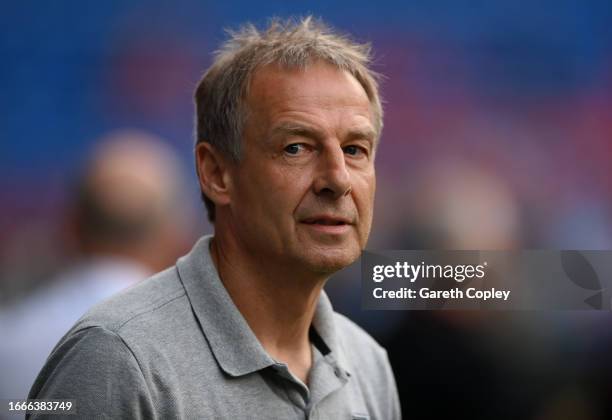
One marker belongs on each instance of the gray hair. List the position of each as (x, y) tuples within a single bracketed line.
[(220, 94)]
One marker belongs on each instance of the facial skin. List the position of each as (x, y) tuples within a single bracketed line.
[(302, 194)]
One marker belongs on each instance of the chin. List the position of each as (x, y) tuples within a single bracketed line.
[(332, 261)]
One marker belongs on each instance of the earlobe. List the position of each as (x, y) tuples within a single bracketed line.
[(213, 173)]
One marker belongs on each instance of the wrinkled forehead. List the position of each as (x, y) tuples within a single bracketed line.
[(320, 85)]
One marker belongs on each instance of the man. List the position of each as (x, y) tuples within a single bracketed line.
[(288, 122), (126, 198)]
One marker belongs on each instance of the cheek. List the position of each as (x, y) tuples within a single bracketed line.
[(271, 193), (290, 186), (364, 188)]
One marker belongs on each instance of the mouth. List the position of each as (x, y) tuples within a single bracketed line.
[(328, 225), (326, 221)]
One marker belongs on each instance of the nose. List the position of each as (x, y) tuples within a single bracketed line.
[(332, 178)]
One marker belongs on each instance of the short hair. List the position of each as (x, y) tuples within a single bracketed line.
[(220, 95)]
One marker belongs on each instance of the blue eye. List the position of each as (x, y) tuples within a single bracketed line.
[(293, 149), (351, 150)]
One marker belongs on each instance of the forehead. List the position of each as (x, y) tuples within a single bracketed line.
[(319, 87)]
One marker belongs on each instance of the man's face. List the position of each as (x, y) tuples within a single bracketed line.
[(302, 195)]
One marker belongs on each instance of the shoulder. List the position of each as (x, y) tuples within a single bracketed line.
[(103, 344), (146, 303), (94, 367)]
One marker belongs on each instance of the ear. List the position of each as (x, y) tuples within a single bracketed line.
[(213, 172)]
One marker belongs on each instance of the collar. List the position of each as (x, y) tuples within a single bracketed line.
[(233, 343)]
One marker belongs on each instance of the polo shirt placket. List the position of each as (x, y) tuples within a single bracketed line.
[(239, 353)]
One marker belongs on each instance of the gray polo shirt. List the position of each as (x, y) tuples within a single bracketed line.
[(176, 347)]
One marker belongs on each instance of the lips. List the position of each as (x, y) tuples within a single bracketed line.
[(325, 220)]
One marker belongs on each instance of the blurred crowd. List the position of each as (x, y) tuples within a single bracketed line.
[(498, 135), (125, 221)]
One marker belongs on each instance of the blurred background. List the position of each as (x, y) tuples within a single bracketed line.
[(498, 135)]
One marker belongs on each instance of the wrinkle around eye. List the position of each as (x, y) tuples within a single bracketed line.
[(296, 149), (359, 151), (353, 148), (293, 149)]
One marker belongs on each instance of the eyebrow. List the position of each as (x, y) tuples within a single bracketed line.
[(301, 130), (293, 129), (365, 133)]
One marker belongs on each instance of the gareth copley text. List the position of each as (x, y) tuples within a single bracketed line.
[(426, 293), (412, 272)]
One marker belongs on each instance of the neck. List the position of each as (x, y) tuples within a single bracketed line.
[(277, 302)]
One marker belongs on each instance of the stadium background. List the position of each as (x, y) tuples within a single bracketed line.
[(498, 135)]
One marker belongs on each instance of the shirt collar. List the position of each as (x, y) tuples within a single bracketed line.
[(231, 340)]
